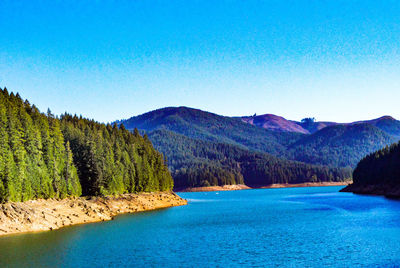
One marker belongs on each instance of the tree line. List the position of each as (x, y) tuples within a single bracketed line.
[(43, 156)]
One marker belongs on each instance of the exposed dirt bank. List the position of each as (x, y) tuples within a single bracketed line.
[(306, 184), (215, 188), (245, 187), (41, 215)]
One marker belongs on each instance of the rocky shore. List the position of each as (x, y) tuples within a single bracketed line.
[(51, 214), (392, 191)]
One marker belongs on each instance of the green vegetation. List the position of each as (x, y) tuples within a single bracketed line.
[(42, 156), (379, 168), (206, 126), (195, 162), (334, 145), (340, 145)]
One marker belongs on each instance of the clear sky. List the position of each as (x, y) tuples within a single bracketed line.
[(333, 60)]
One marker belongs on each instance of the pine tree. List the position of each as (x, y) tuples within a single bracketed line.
[(42, 156)]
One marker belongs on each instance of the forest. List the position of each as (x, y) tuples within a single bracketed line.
[(43, 156), (207, 126), (195, 162), (340, 146), (379, 168), (336, 145)]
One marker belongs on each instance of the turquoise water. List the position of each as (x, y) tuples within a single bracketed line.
[(292, 227)]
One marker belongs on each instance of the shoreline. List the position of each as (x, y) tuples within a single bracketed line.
[(388, 191), (238, 187), (46, 215)]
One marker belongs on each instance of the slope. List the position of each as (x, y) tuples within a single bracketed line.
[(211, 127), (275, 123), (378, 173), (196, 162), (340, 145)]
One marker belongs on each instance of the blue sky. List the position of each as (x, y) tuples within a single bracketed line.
[(107, 60)]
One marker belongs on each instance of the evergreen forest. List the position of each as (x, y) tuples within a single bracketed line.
[(43, 156), (379, 168), (195, 163)]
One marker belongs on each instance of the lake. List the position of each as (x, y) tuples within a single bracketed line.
[(289, 227)]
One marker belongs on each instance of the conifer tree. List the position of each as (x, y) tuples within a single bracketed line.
[(42, 156)]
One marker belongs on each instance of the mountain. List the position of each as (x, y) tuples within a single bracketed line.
[(280, 124), (378, 173), (313, 126), (386, 123), (203, 148), (207, 126), (309, 126), (340, 145), (275, 123), (337, 145), (195, 162)]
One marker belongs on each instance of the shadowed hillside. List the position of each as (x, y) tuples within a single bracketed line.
[(378, 173), (340, 145), (195, 162), (337, 145)]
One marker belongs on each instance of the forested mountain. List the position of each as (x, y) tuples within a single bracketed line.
[(378, 173), (386, 123), (42, 156), (309, 125), (195, 162), (198, 124), (335, 145), (340, 145)]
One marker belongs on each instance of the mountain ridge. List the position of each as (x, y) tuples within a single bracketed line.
[(204, 125), (335, 144), (310, 126), (275, 123)]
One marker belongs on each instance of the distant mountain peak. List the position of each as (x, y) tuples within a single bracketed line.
[(387, 117), (376, 120), (275, 123)]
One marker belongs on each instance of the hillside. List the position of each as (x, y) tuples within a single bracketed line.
[(42, 156), (336, 145), (386, 123), (202, 125), (280, 124), (314, 126), (378, 173), (195, 163), (309, 126), (275, 123), (340, 145)]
